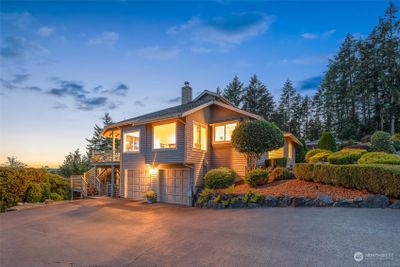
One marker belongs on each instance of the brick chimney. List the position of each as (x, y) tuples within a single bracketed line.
[(186, 93)]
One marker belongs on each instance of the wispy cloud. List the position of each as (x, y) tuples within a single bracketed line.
[(105, 38), (19, 78), (59, 105), (17, 21), (224, 32), (158, 53), (174, 100), (18, 47), (45, 31), (311, 36), (138, 103)]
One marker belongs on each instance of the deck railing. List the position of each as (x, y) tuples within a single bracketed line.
[(105, 157)]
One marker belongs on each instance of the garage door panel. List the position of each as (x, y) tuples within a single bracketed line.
[(174, 186), (138, 183)]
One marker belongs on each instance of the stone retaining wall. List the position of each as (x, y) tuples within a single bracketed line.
[(220, 201)]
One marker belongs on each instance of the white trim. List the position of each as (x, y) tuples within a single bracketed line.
[(123, 141)]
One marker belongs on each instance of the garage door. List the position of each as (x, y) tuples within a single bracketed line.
[(138, 183), (174, 186)]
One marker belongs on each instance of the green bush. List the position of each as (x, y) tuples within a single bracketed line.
[(346, 156), (59, 185), (46, 190), (396, 141), (204, 196), (313, 152), (257, 198), (34, 193), (379, 158), (256, 177), (219, 178), (381, 142), (279, 162), (327, 142), (280, 173), (379, 179), (55, 197), (320, 157)]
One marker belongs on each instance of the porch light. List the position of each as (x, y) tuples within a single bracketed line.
[(153, 170)]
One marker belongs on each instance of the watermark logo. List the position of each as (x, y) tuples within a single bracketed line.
[(358, 256)]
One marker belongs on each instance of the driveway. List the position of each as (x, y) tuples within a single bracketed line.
[(117, 232)]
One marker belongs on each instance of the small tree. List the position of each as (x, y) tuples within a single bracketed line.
[(253, 138), (327, 141), (13, 162), (74, 164), (381, 142)]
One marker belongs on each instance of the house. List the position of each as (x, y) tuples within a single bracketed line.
[(170, 150), (288, 150)]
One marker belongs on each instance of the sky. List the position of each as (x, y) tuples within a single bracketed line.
[(64, 64)]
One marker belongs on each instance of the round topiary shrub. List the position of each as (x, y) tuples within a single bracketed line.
[(313, 152), (280, 173), (381, 142), (346, 156), (379, 158), (219, 178), (327, 142), (320, 157), (33, 193), (256, 177)]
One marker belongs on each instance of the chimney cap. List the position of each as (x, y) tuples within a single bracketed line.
[(186, 83)]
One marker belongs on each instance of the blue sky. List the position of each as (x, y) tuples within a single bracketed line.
[(63, 64)]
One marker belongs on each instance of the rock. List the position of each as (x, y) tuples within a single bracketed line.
[(323, 201), (343, 203), (284, 201), (375, 201), (253, 205), (395, 205), (270, 201), (298, 202), (357, 202), (309, 202)]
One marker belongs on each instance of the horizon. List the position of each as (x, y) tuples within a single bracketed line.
[(63, 65)]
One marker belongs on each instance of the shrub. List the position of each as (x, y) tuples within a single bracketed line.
[(396, 141), (320, 157), (151, 195), (300, 152), (255, 137), (379, 179), (346, 156), (59, 185), (204, 196), (279, 162), (327, 142), (381, 142), (219, 178), (313, 152), (257, 198), (34, 193), (46, 190), (280, 173), (379, 158), (256, 177), (55, 197)]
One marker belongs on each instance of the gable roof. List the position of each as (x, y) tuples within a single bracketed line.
[(205, 99)]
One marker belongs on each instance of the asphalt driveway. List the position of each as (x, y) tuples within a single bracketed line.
[(110, 232)]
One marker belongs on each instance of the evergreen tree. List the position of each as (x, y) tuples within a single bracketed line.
[(74, 164), (98, 143), (218, 91), (233, 91), (257, 99)]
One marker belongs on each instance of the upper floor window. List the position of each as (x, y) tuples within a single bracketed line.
[(199, 137), (132, 141), (223, 132), (164, 136)]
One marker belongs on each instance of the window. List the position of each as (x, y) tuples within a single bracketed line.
[(223, 133), (164, 136), (132, 141), (199, 137)]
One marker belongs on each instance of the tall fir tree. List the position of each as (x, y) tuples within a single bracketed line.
[(233, 91), (285, 110), (98, 143)]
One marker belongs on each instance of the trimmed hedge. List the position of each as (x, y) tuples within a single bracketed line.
[(219, 178), (379, 158), (280, 173), (320, 157), (346, 156), (313, 152), (379, 179), (256, 177)]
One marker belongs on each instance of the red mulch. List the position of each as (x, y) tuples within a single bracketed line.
[(296, 187)]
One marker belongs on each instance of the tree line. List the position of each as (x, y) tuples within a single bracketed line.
[(359, 93)]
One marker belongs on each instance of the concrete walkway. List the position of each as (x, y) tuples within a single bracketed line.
[(107, 232)]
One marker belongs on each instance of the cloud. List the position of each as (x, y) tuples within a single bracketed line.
[(224, 32), (312, 36), (16, 20), (159, 53), (18, 47), (105, 38), (68, 88), (307, 60), (59, 105), (90, 103), (311, 83), (138, 103), (33, 88), (120, 89), (14, 81), (174, 100), (19, 78), (45, 31)]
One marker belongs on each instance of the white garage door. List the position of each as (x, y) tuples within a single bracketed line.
[(174, 186), (138, 183)]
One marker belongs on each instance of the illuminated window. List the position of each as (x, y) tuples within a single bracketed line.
[(164, 136), (199, 137), (223, 133), (132, 141)]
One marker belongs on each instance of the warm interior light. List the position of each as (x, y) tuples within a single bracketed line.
[(153, 170), (165, 136)]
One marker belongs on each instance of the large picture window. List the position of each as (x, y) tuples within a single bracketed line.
[(164, 136), (223, 132), (132, 141), (199, 137)]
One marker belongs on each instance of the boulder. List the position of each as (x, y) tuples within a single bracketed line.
[(395, 205), (375, 201), (343, 203), (298, 202), (284, 201), (270, 201), (324, 201), (357, 202), (309, 202)]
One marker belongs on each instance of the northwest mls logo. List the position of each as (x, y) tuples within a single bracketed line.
[(358, 256)]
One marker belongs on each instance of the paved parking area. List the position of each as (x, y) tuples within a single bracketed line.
[(117, 232)]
